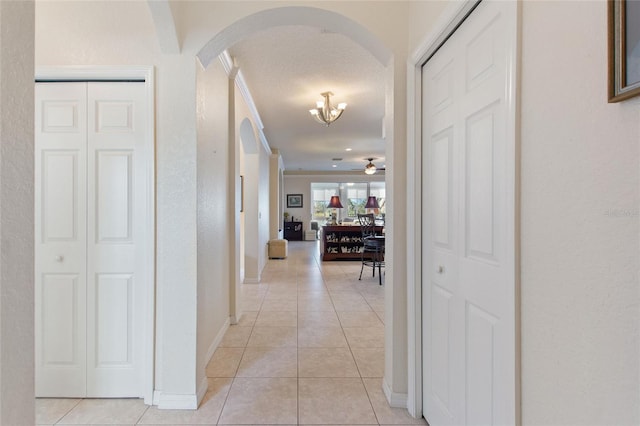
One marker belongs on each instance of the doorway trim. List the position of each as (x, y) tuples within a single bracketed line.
[(121, 74), (447, 24)]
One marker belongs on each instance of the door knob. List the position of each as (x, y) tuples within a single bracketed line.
[(440, 269), (59, 258)]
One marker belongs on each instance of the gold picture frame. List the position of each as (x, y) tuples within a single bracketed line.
[(624, 49)]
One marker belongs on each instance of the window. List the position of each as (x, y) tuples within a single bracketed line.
[(356, 198), (320, 195), (353, 197)]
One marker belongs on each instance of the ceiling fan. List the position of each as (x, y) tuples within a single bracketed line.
[(371, 168)]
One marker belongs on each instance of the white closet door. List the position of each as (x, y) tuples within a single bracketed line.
[(61, 239), (469, 346), (116, 236), (92, 262)]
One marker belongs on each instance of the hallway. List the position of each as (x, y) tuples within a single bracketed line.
[(308, 350)]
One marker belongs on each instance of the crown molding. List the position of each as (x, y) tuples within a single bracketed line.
[(233, 71)]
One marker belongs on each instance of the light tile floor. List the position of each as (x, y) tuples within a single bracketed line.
[(309, 349)]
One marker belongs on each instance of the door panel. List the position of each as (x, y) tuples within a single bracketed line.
[(441, 310), (480, 365), (60, 249), (441, 203), (114, 336), (468, 253), (60, 304), (59, 195), (113, 184), (116, 212), (479, 193)]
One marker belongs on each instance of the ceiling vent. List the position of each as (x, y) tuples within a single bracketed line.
[(336, 159)]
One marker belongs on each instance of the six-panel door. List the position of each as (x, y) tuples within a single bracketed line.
[(90, 216), (468, 286)]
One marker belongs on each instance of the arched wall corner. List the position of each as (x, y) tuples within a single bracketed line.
[(249, 196), (247, 137), (293, 15)]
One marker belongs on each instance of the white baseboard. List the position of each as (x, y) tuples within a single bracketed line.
[(395, 400), (204, 384), (216, 341), (166, 401), (177, 401), (156, 397), (202, 389)]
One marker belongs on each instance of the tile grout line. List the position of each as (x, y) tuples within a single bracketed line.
[(237, 370), (69, 411), (143, 413)]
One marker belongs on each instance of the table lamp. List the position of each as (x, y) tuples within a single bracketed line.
[(334, 203), (372, 203)]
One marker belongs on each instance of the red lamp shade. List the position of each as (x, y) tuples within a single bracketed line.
[(372, 203), (335, 202)]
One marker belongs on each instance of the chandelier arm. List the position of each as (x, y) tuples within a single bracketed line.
[(326, 109), (319, 119), (324, 113)]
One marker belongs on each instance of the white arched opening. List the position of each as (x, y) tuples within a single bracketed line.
[(395, 379)]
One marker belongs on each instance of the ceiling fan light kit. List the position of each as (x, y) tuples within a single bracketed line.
[(370, 168), (324, 113)]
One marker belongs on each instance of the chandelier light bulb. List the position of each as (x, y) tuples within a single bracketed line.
[(324, 113)]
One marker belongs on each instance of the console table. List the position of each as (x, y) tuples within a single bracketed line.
[(293, 231), (343, 242)]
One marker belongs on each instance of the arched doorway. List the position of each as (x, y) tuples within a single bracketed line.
[(395, 328)]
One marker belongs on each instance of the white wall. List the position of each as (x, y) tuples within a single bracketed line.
[(275, 195), (388, 40), (16, 214), (249, 168), (255, 169), (263, 207), (122, 33), (580, 245), (213, 232), (579, 220)]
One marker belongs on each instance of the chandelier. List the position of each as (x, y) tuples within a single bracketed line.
[(324, 113)]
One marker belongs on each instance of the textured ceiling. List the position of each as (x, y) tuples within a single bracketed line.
[(286, 69)]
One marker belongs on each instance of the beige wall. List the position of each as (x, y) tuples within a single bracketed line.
[(16, 214), (580, 245), (213, 253), (422, 17)]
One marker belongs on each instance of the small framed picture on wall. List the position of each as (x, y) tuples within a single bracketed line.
[(294, 200)]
